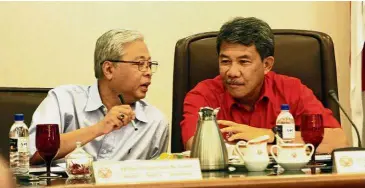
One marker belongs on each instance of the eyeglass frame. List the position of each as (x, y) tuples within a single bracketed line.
[(138, 63)]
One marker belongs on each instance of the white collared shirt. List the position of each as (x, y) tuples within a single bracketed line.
[(73, 107)]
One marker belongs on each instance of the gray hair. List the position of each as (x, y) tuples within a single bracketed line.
[(110, 46)]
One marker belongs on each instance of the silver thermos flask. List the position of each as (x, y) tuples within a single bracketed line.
[(208, 144)]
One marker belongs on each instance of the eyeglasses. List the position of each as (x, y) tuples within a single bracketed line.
[(142, 65)]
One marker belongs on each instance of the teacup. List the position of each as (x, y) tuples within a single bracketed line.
[(256, 165), (293, 152), (256, 157), (252, 153)]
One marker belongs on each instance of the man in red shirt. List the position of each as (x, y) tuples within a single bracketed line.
[(249, 94)]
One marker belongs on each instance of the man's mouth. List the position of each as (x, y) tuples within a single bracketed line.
[(234, 83), (144, 86)]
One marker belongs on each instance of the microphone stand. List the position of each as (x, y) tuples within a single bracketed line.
[(333, 94), (334, 97)]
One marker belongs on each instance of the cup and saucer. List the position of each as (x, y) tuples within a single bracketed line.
[(252, 154), (292, 156)]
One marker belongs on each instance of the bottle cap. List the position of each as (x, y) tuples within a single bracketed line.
[(19, 117), (284, 107)]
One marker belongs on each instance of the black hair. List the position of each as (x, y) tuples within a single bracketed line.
[(248, 31)]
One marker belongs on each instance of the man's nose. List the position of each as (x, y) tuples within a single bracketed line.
[(148, 71), (234, 70)]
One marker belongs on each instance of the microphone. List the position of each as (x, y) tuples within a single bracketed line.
[(333, 94)]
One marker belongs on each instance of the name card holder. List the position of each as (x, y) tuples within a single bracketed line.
[(349, 161), (106, 172)]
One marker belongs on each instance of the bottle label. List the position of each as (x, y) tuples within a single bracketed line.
[(13, 145), (23, 144), (285, 120), (288, 131)]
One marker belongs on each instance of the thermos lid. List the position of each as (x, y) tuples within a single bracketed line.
[(206, 112)]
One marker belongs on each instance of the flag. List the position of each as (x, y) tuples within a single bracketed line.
[(357, 85)]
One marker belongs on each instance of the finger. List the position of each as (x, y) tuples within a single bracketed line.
[(122, 108), (115, 112), (128, 112), (231, 129), (125, 107), (122, 116), (238, 136), (118, 125), (132, 115), (126, 119), (117, 122), (227, 123)]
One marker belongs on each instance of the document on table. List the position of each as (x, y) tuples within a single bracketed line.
[(60, 167), (323, 157)]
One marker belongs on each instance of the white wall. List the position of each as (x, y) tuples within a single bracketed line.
[(46, 44)]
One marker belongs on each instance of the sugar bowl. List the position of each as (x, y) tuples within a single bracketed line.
[(79, 163)]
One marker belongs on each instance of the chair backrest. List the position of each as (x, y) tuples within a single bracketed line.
[(17, 100), (307, 55)]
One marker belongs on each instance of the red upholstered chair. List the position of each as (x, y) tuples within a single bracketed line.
[(307, 55)]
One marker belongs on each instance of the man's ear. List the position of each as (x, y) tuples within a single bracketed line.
[(108, 69), (268, 64)]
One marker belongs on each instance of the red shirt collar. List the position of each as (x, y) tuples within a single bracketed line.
[(266, 92)]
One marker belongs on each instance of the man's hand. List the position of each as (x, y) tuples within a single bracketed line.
[(116, 118), (244, 132), (112, 121)]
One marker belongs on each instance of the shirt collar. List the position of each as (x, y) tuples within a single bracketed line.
[(266, 92), (94, 103), (140, 112)]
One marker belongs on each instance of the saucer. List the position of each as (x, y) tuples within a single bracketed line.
[(236, 162), (290, 165)]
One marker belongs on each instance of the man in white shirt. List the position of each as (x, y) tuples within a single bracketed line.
[(95, 116)]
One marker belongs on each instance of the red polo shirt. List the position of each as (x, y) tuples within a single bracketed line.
[(277, 89)]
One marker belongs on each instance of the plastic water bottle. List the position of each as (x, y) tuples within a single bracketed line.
[(285, 125), (19, 150)]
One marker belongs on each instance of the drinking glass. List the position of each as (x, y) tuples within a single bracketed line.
[(47, 144), (312, 132)]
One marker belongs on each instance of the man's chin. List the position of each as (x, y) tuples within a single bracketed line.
[(237, 94), (141, 95)]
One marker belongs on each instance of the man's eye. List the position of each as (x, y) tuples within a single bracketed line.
[(244, 61), (225, 61)]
